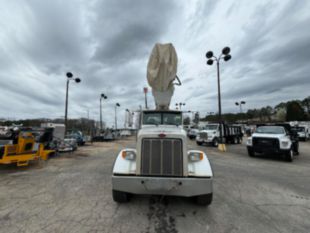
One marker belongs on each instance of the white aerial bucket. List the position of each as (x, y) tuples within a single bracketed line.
[(161, 71)]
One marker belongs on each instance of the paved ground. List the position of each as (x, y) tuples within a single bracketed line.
[(72, 193)]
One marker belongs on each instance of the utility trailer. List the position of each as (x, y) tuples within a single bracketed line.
[(21, 147)]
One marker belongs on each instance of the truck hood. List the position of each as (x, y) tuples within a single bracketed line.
[(169, 130), (263, 135)]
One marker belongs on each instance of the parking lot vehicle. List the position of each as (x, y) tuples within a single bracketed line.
[(78, 136), (302, 131), (21, 147), (274, 139), (192, 133), (211, 134), (161, 164), (68, 145)]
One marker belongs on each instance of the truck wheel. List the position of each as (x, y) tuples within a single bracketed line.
[(204, 199), (120, 197), (289, 156), (296, 151), (199, 143), (251, 153), (215, 142)]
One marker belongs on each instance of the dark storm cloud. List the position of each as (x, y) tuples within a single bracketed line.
[(56, 34), (127, 31), (272, 57)]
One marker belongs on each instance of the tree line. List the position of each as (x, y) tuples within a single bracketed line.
[(294, 110)]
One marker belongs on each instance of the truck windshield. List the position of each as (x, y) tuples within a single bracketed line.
[(162, 118), (211, 127), (298, 129), (270, 130)]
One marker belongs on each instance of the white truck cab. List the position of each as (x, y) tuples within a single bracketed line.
[(161, 164), (302, 131)]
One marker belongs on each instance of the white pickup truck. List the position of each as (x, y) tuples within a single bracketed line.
[(274, 139)]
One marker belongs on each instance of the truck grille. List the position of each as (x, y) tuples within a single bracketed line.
[(266, 143), (161, 157), (203, 135)]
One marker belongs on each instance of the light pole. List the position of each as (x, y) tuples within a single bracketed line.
[(128, 118), (116, 105), (211, 58), (127, 113), (102, 96), (145, 90), (194, 113), (69, 78), (180, 105), (240, 104)]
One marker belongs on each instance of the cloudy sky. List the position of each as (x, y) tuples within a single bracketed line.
[(107, 45)]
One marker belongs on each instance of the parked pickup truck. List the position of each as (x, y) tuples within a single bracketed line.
[(274, 139)]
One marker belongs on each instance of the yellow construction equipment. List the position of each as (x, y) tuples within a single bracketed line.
[(23, 149)]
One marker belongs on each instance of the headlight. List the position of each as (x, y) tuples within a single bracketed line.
[(249, 142), (284, 143), (195, 156), (128, 154)]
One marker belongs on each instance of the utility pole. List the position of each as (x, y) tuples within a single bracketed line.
[(145, 90)]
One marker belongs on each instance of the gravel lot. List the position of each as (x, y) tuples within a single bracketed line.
[(72, 193)]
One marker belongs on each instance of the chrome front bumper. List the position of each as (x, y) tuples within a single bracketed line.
[(205, 140), (171, 186)]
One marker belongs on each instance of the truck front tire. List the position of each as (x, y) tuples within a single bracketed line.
[(215, 142), (120, 197), (289, 156), (204, 199), (199, 143), (251, 153)]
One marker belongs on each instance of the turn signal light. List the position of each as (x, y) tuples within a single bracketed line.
[(128, 154), (195, 156)]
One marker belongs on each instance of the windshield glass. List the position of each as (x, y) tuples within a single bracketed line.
[(211, 127), (298, 129), (270, 130), (162, 118)]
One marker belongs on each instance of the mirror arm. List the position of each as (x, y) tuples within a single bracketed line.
[(179, 82)]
